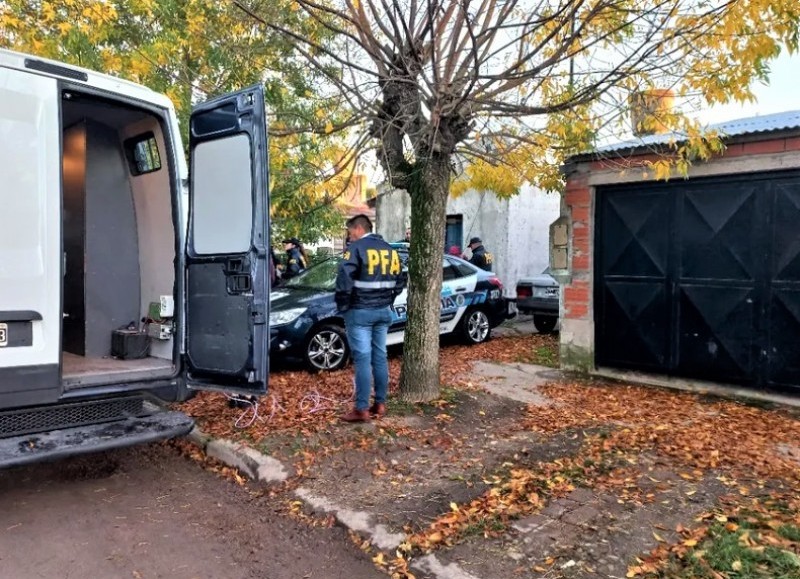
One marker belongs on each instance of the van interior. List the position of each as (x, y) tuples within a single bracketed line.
[(118, 243)]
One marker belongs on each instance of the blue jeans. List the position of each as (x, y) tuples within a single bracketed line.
[(366, 334)]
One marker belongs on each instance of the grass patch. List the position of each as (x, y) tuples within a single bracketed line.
[(790, 532), (484, 527), (546, 356), (400, 407), (738, 554)]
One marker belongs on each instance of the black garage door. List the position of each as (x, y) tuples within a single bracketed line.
[(701, 278)]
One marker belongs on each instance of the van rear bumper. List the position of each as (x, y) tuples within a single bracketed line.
[(58, 444)]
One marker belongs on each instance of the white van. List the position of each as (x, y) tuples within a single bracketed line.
[(125, 280)]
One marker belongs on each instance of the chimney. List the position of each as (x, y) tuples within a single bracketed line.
[(648, 111)]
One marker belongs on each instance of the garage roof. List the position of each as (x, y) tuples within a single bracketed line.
[(789, 120)]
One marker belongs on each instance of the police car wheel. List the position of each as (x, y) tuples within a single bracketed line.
[(475, 327), (326, 349)]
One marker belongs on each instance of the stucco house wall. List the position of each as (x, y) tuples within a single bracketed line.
[(515, 231)]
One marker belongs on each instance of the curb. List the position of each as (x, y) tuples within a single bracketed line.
[(260, 467), (252, 463)]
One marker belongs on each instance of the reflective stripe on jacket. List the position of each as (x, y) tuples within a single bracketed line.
[(370, 275)]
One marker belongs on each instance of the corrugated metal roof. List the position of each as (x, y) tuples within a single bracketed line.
[(736, 128)]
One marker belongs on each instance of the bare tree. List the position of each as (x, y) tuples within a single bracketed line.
[(505, 83)]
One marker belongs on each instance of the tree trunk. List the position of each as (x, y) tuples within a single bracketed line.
[(419, 380)]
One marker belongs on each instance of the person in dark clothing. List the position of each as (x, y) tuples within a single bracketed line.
[(480, 257), (369, 279), (296, 259), (274, 265), (407, 238)]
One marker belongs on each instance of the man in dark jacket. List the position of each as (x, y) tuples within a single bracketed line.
[(295, 258), (370, 277), (480, 257)]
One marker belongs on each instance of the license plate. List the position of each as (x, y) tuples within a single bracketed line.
[(551, 291), (3, 335)]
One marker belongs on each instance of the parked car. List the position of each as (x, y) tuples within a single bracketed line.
[(539, 296), (306, 324)]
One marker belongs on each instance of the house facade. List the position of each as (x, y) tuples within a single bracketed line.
[(515, 231), (690, 279)]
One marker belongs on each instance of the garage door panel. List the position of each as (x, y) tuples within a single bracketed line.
[(635, 328), (716, 332), (786, 232), (638, 235), (783, 348), (701, 278), (715, 235)]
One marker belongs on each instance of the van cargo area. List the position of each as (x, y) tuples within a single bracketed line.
[(118, 244)]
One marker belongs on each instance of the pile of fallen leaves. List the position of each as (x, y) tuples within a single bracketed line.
[(304, 402), (522, 492), (694, 431), (699, 434), (695, 434)]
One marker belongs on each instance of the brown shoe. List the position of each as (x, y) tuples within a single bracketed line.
[(377, 410), (355, 415)]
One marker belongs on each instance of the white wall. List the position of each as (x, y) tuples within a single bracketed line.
[(530, 215), (485, 216), (515, 231), (392, 213)]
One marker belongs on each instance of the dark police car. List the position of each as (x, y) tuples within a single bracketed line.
[(305, 323)]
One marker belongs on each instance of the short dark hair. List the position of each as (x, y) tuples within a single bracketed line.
[(361, 221)]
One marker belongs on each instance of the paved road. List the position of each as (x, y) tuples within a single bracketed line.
[(146, 513)]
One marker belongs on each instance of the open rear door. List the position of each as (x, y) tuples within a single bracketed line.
[(227, 272)]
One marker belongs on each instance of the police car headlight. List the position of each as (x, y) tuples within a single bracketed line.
[(284, 317)]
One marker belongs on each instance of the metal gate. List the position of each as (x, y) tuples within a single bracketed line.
[(701, 278)]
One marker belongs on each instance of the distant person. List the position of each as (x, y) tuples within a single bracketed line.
[(480, 257), (274, 267), (369, 279), (296, 258), (407, 238)]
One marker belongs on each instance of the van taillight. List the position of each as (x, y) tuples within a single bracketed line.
[(524, 291)]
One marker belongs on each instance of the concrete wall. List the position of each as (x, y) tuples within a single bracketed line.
[(515, 231), (485, 216), (530, 215), (392, 213)]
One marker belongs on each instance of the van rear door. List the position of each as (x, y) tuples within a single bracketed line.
[(30, 239), (227, 273)]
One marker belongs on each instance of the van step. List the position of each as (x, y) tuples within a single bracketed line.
[(69, 415), (59, 444)]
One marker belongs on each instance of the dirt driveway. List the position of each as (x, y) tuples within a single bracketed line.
[(147, 512)]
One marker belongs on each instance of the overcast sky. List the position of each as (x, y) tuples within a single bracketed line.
[(782, 94)]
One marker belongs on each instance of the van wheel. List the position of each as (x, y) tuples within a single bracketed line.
[(544, 324), (475, 327), (326, 349)]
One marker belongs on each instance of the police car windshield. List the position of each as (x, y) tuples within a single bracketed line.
[(320, 277)]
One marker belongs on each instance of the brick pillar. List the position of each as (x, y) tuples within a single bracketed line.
[(577, 323)]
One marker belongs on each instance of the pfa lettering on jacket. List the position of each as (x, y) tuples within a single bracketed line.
[(388, 261)]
